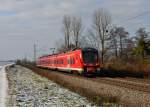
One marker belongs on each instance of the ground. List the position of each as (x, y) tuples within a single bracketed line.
[(27, 89)]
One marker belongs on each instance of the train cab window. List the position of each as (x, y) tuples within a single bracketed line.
[(90, 56)]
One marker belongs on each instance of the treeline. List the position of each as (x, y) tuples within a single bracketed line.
[(116, 46)]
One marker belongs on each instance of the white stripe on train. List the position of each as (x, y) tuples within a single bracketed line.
[(65, 69)]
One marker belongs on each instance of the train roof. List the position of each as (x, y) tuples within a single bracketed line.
[(83, 49), (88, 48)]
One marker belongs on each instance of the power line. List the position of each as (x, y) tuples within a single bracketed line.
[(142, 14), (134, 17)]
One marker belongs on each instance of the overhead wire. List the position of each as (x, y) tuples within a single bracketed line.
[(134, 17)]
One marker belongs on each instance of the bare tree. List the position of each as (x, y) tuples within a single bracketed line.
[(92, 39), (122, 35), (67, 30), (60, 46), (76, 29), (119, 39), (101, 22), (129, 46), (141, 34), (114, 44)]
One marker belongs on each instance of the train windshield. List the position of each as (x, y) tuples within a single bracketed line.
[(90, 57)]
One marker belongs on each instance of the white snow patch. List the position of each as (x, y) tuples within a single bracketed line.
[(3, 85)]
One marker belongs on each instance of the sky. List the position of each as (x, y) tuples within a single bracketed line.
[(25, 22)]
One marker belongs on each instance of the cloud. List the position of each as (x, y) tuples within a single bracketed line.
[(23, 22)]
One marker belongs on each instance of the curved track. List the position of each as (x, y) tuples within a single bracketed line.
[(135, 84), (139, 80), (138, 84)]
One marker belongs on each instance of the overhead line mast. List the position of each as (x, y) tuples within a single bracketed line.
[(34, 52)]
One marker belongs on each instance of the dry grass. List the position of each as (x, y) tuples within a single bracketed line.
[(134, 66)]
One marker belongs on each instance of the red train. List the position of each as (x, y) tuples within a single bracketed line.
[(81, 61)]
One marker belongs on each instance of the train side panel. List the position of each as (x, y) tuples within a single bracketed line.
[(72, 61)]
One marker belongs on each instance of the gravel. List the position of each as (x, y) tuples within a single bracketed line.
[(27, 89)]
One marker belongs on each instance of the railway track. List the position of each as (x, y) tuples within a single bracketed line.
[(132, 81), (129, 84), (131, 92), (138, 84), (142, 85), (144, 81)]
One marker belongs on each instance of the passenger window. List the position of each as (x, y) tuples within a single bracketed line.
[(73, 61)]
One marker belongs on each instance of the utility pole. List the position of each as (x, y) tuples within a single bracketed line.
[(34, 53), (25, 58)]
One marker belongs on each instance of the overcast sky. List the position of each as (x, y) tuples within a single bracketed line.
[(25, 22)]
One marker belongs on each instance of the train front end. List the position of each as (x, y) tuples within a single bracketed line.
[(91, 62)]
